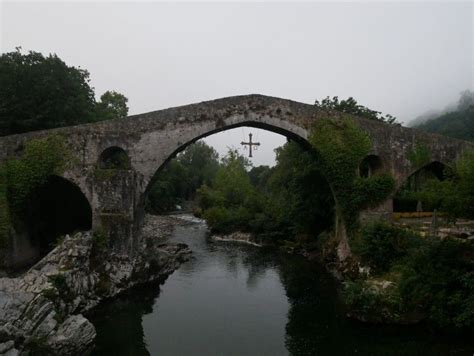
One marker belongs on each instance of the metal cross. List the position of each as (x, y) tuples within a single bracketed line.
[(250, 144)]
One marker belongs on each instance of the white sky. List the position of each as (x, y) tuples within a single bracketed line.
[(401, 58)]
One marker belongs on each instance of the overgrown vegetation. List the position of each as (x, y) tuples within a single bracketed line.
[(380, 244), (341, 147), (453, 194), (21, 177), (428, 278)]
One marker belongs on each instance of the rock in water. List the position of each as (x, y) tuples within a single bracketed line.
[(41, 309)]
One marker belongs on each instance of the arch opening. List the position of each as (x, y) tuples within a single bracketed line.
[(114, 158), (296, 148), (56, 208), (409, 198), (370, 165)]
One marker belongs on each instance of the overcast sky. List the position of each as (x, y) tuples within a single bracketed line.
[(400, 58)]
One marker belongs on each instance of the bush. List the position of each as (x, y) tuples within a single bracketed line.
[(439, 279), (366, 302), (380, 244)]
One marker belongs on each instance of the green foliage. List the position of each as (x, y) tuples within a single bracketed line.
[(62, 288), (300, 201), (39, 92), (370, 192), (342, 146), (41, 158), (21, 177), (380, 244), (5, 218), (454, 195), (100, 240), (181, 177), (434, 278), (439, 279), (231, 202), (371, 303), (350, 106), (112, 105), (420, 155)]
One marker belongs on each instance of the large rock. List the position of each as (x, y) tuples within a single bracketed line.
[(41, 309), (72, 337)]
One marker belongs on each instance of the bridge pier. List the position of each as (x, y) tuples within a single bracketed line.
[(114, 207)]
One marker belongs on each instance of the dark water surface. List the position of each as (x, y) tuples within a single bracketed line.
[(234, 299)]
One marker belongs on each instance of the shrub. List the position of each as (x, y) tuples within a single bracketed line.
[(439, 278), (380, 244), (367, 302)]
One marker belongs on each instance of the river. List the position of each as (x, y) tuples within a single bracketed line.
[(236, 299)]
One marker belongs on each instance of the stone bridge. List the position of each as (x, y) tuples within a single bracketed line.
[(147, 141)]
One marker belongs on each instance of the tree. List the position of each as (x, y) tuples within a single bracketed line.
[(38, 92), (231, 203), (112, 105), (300, 199), (350, 106), (179, 180)]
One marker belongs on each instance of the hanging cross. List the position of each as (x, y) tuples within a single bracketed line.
[(250, 144)]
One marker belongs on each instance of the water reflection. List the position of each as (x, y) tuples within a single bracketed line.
[(234, 299)]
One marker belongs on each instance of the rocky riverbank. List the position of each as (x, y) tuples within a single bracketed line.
[(41, 310)]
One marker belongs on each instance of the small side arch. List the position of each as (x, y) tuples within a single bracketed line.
[(370, 165), (405, 201), (114, 158), (56, 208)]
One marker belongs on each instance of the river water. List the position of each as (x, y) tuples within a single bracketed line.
[(236, 299)]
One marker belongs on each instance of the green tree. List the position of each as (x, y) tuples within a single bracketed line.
[(231, 203), (179, 180), (350, 106), (38, 92), (112, 105), (300, 199)]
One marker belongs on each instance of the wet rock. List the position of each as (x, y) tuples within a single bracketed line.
[(6, 346), (72, 337), (42, 307)]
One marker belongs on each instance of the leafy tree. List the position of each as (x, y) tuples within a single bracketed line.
[(169, 189), (350, 106), (259, 176), (112, 105), (38, 92), (179, 180), (231, 202), (300, 199)]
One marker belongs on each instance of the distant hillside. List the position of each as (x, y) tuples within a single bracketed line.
[(458, 123)]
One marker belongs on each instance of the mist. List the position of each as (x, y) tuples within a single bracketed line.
[(400, 58)]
